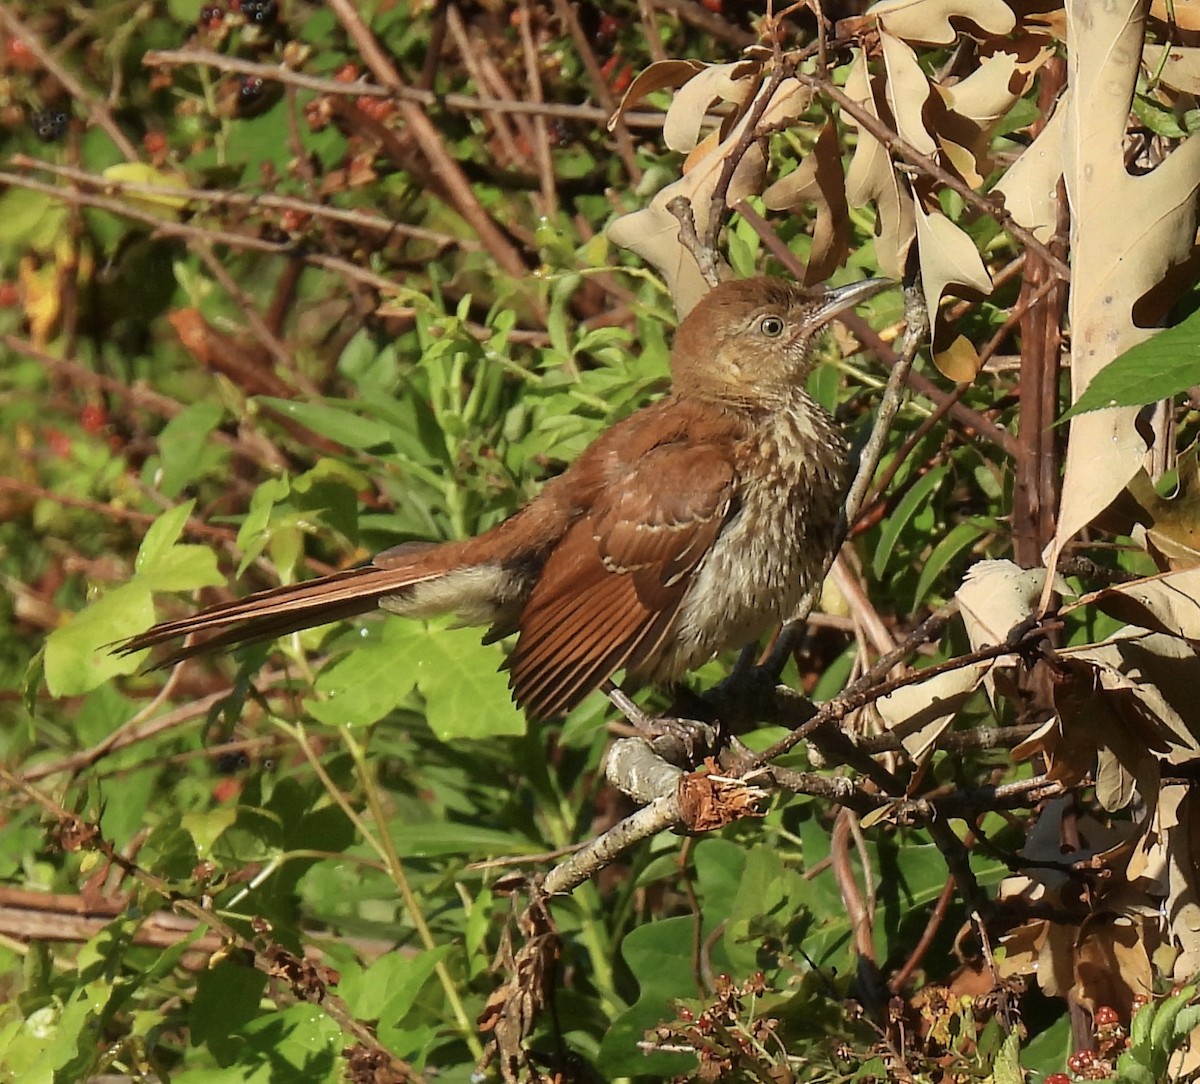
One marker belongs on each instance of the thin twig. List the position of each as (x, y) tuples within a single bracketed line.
[(466, 103)]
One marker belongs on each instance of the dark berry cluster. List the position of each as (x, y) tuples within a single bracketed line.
[(50, 125), (259, 12)]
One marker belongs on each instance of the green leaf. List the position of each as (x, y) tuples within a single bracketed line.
[(897, 520), (1162, 366), (184, 446), (388, 988), (960, 537), (371, 681), (336, 419), (78, 654), (163, 533), (432, 838), (465, 696)]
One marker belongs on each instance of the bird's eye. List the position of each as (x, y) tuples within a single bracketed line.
[(771, 326)]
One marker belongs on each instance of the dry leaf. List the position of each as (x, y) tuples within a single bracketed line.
[(1184, 13), (872, 178), (1126, 232), (959, 361), (922, 712), (907, 90), (1168, 603), (948, 258), (1030, 187), (928, 21), (819, 179), (714, 83), (653, 231), (660, 75)]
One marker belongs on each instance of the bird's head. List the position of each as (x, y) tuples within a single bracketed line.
[(749, 343)]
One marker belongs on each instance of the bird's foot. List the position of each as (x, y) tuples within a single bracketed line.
[(675, 738)]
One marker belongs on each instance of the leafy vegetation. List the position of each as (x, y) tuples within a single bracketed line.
[(285, 284)]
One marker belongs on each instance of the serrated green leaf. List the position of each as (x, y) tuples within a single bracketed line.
[(1159, 368), (1007, 1067), (78, 655), (1132, 1071), (1162, 1028), (465, 695), (370, 681)]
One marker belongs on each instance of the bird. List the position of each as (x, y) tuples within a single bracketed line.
[(692, 526)]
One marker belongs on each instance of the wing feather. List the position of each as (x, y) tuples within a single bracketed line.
[(610, 591)]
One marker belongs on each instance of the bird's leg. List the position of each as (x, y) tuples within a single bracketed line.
[(675, 738)]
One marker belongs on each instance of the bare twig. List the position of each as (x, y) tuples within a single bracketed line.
[(465, 103)]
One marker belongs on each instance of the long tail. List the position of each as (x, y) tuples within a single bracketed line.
[(276, 612)]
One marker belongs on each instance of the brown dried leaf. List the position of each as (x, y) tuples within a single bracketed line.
[(872, 178), (907, 89), (1180, 68), (1179, 819), (1173, 534), (1112, 964), (1168, 603), (660, 75), (948, 258), (959, 361), (922, 712), (733, 83), (708, 801), (1030, 187), (1149, 679), (653, 231), (971, 109), (928, 21), (1127, 231), (1185, 13), (819, 178)]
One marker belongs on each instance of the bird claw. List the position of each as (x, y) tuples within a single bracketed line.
[(677, 740)]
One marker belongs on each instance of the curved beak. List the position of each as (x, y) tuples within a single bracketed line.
[(841, 298)]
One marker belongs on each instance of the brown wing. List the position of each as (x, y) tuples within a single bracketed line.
[(610, 590)]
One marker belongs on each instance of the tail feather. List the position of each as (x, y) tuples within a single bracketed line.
[(281, 610)]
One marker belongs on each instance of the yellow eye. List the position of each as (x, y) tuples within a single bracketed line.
[(771, 326)]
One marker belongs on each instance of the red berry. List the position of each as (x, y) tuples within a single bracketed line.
[(59, 443), (1106, 1017), (93, 418), (347, 73), (155, 143), (10, 295), (1058, 1078)]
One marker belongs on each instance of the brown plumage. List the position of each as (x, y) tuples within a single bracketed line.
[(692, 526)]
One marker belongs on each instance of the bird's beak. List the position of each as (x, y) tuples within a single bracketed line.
[(841, 298)]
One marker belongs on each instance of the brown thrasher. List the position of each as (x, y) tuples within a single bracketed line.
[(692, 526)]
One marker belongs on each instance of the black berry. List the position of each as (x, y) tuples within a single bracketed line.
[(49, 125), (260, 12)]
